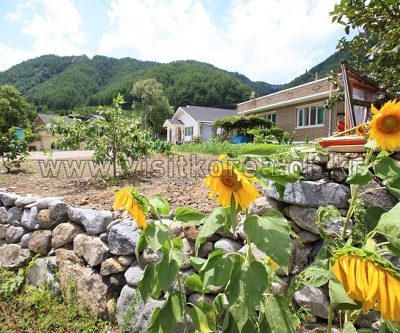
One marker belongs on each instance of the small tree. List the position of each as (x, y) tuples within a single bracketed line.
[(113, 136), (242, 123), (151, 103), (15, 112)]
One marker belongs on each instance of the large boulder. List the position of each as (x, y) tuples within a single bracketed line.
[(122, 238), (40, 242), (314, 299), (64, 234), (30, 218), (9, 199), (83, 283), (14, 215), (262, 205), (380, 198), (14, 234), (42, 203), (94, 221), (313, 194), (91, 248), (12, 256), (133, 275), (58, 211), (304, 217), (24, 201), (41, 273)]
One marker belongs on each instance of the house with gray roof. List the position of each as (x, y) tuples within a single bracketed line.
[(194, 121)]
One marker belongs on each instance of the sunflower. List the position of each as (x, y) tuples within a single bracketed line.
[(134, 203), (367, 281), (361, 130), (385, 125), (231, 184)]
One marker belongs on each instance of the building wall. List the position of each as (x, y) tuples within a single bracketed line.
[(188, 122), (206, 131), (286, 119), (308, 89)]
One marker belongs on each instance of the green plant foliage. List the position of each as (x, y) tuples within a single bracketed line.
[(15, 112), (241, 124), (204, 317), (114, 137), (388, 226), (270, 233), (376, 46), (188, 215)]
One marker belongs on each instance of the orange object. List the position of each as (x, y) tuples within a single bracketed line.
[(342, 141)]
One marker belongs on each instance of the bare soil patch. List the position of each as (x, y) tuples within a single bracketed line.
[(178, 178)]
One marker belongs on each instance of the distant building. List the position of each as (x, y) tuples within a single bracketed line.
[(44, 139), (194, 121)]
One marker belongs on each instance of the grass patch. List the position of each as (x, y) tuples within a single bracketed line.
[(212, 147), (33, 309)]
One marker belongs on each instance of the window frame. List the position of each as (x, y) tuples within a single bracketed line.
[(306, 115), (187, 128), (272, 113)]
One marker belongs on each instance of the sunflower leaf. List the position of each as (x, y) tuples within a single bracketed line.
[(260, 150), (159, 205), (188, 215)]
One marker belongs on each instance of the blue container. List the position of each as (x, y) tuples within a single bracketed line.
[(19, 132), (241, 139)]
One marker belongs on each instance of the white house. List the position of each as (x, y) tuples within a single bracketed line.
[(194, 121)]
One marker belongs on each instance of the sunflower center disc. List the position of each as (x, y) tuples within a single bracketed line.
[(229, 179), (390, 124)]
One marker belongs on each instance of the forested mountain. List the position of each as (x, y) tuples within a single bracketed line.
[(60, 84)]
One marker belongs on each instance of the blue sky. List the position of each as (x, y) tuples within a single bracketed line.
[(267, 40)]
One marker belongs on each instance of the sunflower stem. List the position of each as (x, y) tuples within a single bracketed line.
[(330, 319), (354, 196), (184, 305)]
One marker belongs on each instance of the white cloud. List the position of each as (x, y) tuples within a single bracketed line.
[(267, 40), (54, 26)]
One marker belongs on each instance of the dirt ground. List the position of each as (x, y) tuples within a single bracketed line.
[(72, 176)]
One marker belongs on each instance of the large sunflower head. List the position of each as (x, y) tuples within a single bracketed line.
[(371, 280), (134, 203), (231, 185), (385, 125)]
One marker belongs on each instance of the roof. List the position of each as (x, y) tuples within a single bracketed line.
[(202, 113), (47, 118), (174, 121)]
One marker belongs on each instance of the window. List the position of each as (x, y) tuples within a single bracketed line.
[(271, 116), (310, 116), (189, 131)]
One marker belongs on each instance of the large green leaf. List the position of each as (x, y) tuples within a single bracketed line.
[(194, 283), (217, 269), (156, 235), (170, 264), (204, 317), (279, 316), (149, 285), (339, 298), (252, 282), (349, 327), (188, 215), (271, 234), (359, 174), (394, 188), (211, 224), (388, 226), (164, 319), (387, 168), (315, 275), (261, 150), (159, 205)]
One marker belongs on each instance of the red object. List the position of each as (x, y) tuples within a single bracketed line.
[(343, 141), (340, 126)]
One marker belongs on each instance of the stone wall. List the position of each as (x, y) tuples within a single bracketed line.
[(93, 250)]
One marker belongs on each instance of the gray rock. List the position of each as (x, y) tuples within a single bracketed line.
[(262, 205), (23, 201), (313, 194), (316, 158), (111, 266), (3, 215), (133, 275), (280, 287), (312, 171), (205, 249), (299, 257), (45, 222), (14, 214), (90, 288), (188, 250), (40, 242), (64, 234), (148, 257), (304, 217), (128, 299), (126, 260), (43, 203), (3, 230), (308, 237), (104, 237), (228, 245), (41, 272), (112, 223), (379, 198), (94, 221), (12, 256), (338, 175), (366, 320), (314, 299), (30, 218), (122, 238), (25, 240), (196, 298), (9, 199), (258, 254), (58, 211), (175, 230), (14, 234), (142, 319), (117, 281), (91, 248)]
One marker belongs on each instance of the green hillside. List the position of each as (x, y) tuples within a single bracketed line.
[(55, 83)]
